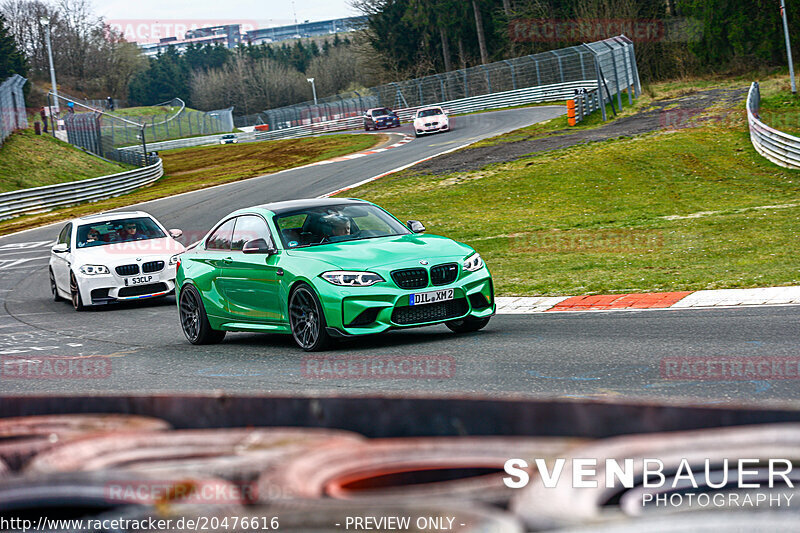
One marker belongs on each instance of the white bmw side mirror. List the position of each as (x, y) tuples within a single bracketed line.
[(60, 248), (175, 233)]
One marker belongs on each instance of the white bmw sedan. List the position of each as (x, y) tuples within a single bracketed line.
[(111, 257), (430, 120)]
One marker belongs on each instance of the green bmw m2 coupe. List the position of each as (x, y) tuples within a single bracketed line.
[(326, 268)]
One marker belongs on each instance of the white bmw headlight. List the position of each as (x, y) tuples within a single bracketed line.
[(174, 259), (93, 270), (473, 262), (347, 278)]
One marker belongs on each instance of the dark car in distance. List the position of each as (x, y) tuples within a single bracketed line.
[(380, 117)]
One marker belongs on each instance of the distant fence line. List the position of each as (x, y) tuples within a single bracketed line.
[(12, 106), (612, 62), (105, 133)]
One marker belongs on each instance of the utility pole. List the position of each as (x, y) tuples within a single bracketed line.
[(46, 23), (788, 46), (313, 88)]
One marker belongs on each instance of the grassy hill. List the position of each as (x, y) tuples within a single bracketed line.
[(29, 160)]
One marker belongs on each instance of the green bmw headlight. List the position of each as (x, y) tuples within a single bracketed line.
[(473, 262), (348, 278)]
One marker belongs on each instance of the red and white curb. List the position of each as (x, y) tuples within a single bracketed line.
[(653, 300), (406, 139)]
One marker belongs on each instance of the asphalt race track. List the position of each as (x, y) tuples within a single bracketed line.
[(578, 355)]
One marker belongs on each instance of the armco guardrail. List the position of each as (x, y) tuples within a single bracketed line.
[(188, 142), (529, 95), (779, 147), (39, 199), (585, 104)]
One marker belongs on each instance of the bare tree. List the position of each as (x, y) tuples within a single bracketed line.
[(481, 34)]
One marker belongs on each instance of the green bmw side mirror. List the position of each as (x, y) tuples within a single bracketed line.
[(258, 246)]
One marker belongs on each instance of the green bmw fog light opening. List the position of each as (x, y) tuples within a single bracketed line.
[(347, 278), (473, 263)]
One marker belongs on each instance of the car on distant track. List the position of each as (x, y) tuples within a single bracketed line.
[(430, 120), (229, 138), (113, 257), (380, 117), (325, 268)]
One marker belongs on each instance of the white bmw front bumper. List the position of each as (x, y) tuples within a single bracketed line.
[(102, 289)]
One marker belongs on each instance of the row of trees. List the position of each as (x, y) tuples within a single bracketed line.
[(251, 77), (90, 57), (423, 36)]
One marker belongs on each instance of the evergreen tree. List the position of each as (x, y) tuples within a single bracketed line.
[(11, 59)]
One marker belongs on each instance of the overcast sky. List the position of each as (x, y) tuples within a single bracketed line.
[(264, 13)]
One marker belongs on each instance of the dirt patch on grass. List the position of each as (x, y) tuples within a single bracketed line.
[(662, 114)]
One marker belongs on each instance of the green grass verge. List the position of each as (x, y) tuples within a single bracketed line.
[(591, 218), (190, 169), (30, 160)]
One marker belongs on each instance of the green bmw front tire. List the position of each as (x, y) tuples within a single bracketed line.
[(307, 319), (194, 320)]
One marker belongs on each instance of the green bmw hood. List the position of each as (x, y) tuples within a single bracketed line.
[(370, 253)]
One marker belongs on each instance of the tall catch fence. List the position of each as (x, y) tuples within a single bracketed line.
[(609, 66), (12, 106), (105, 133)]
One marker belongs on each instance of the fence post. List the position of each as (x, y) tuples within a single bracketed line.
[(513, 74), (583, 68), (488, 79), (600, 83), (632, 54), (616, 73), (538, 74), (560, 67)]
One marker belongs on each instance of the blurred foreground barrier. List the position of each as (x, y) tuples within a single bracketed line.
[(779, 147), (462, 468), (234, 454), (565, 504), (702, 522), (108, 495), (407, 415), (40, 199), (23, 437)]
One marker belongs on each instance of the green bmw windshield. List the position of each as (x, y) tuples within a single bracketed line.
[(338, 223)]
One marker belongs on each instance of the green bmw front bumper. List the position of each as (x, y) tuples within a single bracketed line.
[(353, 311)]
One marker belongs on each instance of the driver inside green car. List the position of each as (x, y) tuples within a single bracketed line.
[(338, 227)]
